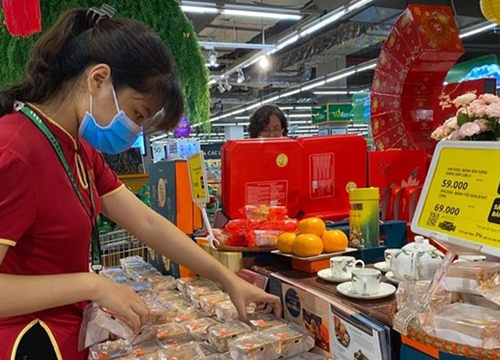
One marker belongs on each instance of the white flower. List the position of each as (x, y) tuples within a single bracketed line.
[(464, 100), (455, 135), (482, 123), (489, 98), (439, 133), (451, 123), (477, 108), (493, 110), (469, 129)]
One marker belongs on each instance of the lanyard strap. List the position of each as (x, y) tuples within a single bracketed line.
[(95, 244)]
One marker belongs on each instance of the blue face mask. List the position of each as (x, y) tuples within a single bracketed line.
[(116, 137)]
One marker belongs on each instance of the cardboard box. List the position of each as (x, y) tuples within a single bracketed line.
[(171, 195)]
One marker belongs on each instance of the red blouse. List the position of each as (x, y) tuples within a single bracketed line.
[(44, 222)]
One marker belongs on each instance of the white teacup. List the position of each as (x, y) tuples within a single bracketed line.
[(342, 266), (471, 258), (366, 281), (389, 255)]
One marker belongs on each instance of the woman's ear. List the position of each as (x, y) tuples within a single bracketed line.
[(99, 76)]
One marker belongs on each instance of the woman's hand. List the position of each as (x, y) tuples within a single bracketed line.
[(243, 294), (121, 301)]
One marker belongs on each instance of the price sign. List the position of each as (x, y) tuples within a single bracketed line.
[(460, 202), (198, 178)]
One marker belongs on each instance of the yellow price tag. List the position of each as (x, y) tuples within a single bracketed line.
[(461, 196), (198, 178)]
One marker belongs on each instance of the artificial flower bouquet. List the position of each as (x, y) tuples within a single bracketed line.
[(477, 118)]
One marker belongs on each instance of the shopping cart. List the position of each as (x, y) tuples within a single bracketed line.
[(119, 244)]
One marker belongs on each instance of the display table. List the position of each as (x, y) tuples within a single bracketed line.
[(380, 310)]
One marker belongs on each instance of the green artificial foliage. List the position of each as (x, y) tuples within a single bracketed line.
[(163, 16)]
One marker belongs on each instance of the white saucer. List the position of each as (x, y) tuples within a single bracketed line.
[(382, 266), (390, 277), (326, 274), (384, 291)]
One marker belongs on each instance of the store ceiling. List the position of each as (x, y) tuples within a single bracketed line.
[(354, 39)]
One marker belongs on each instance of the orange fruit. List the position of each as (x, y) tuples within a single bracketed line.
[(285, 242), (313, 225), (334, 241), (307, 245)]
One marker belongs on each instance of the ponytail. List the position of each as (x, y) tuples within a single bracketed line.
[(137, 56), (43, 77)]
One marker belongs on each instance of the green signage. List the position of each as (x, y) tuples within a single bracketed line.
[(361, 107), (340, 112), (318, 114)]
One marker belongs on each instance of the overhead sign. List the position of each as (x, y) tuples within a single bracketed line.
[(329, 113), (460, 202)]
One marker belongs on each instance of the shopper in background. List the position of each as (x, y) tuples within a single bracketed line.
[(268, 121), (92, 83)]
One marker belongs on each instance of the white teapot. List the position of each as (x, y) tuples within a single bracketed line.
[(419, 260)]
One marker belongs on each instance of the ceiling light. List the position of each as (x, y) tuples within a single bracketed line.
[(340, 76), (358, 4), (221, 87), (253, 106), (313, 85), (234, 45), (326, 20), (299, 115), (199, 9), (211, 82), (264, 62), (333, 92), (286, 43), (368, 67), (274, 98), (212, 57), (227, 85), (241, 76), (476, 30), (290, 93), (269, 15)]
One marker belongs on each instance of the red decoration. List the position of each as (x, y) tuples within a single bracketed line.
[(22, 17), (415, 58)]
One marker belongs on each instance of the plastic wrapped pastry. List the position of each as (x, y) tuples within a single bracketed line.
[(292, 339), (254, 347), (226, 311), (220, 335), (110, 350)]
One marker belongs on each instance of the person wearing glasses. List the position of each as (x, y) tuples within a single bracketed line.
[(93, 83), (268, 121)]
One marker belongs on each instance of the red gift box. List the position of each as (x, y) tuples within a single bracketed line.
[(388, 63), (393, 169), (430, 33), (396, 45), (382, 122), (384, 83), (384, 103)]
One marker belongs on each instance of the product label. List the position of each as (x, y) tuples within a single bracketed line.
[(272, 193), (322, 175), (198, 178), (463, 198)]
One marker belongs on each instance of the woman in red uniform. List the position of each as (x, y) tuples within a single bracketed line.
[(92, 83)]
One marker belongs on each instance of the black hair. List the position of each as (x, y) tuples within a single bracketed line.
[(137, 56), (261, 117)]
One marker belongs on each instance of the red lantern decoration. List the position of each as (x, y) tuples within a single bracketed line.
[(22, 17)]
